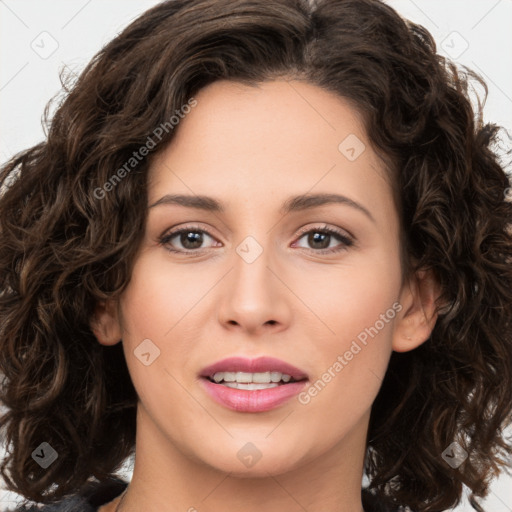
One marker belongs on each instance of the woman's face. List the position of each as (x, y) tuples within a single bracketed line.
[(258, 277)]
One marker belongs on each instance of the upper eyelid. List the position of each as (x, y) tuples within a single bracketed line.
[(300, 231), (326, 227)]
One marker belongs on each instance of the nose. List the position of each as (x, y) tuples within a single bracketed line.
[(254, 297)]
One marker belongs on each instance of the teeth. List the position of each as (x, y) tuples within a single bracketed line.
[(261, 377), (229, 376), (218, 377), (250, 386), (275, 376), (248, 378), (243, 377)]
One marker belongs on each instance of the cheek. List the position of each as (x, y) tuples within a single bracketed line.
[(154, 309), (158, 305), (358, 307), (159, 296), (351, 298)]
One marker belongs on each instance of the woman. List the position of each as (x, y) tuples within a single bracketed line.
[(265, 249)]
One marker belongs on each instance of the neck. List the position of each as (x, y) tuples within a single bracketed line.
[(168, 479)]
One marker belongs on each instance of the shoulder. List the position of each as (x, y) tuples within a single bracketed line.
[(91, 496)]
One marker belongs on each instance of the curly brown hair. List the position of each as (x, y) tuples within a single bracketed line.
[(65, 244)]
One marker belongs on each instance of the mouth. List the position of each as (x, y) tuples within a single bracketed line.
[(252, 381), (252, 385)]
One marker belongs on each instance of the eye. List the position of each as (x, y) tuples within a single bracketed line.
[(191, 238), (320, 239)]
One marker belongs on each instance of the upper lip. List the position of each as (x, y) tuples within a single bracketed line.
[(260, 364)]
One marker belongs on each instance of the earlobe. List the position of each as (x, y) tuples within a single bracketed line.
[(105, 323), (419, 298)]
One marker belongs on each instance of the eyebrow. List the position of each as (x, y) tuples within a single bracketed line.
[(293, 204)]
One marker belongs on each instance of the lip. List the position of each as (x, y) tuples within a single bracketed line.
[(261, 364), (260, 400)]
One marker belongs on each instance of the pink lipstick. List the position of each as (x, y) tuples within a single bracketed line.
[(252, 385)]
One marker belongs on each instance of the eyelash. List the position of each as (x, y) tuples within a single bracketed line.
[(345, 240)]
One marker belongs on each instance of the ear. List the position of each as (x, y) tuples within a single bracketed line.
[(418, 316), (105, 323)]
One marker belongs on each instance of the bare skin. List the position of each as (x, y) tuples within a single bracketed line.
[(252, 149)]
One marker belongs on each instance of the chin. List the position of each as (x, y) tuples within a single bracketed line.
[(246, 460)]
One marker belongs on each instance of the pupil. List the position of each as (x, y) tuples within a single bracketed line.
[(314, 237), (192, 237)]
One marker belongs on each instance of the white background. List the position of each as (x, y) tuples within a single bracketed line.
[(38, 38)]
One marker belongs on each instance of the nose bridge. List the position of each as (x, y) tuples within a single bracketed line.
[(251, 261), (253, 296)]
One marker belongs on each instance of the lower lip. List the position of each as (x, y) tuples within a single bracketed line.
[(258, 400)]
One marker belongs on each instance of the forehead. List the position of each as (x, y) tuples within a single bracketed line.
[(277, 138)]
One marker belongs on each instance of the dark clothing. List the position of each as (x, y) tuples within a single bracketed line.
[(96, 494)]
